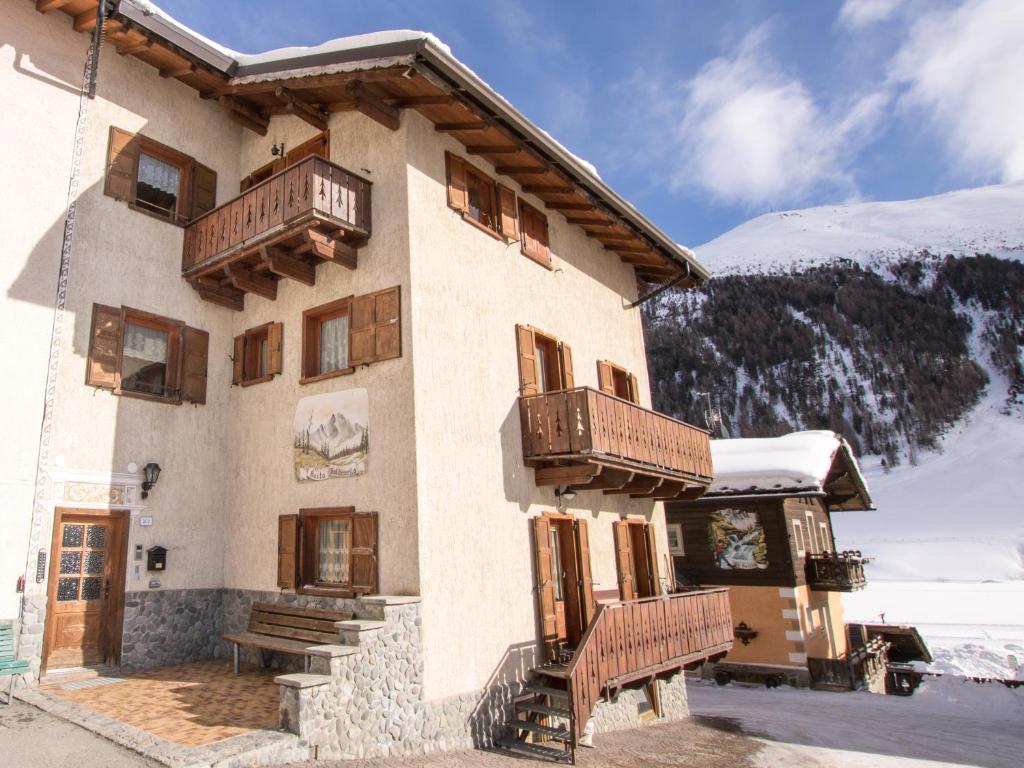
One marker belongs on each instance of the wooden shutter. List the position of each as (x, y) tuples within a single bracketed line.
[(652, 560), (275, 335), (122, 164), (104, 347), (238, 360), (375, 331), (364, 553), (565, 364), (508, 212), (526, 344), (605, 379), (458, 197), (194, 364), (204, 191), (634, 389), (545, 579), (287, 551), (589, 605), (624, 557)]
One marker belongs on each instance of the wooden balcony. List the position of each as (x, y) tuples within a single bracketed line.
[(639, 639), (312, 212), (588, 440), (832, 572)]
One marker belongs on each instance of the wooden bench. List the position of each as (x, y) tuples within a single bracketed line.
[(9, 665), (288, 629)]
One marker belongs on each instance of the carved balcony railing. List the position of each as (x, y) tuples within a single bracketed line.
[(284, 226), (590, 440), (832, 572), (638, 639)]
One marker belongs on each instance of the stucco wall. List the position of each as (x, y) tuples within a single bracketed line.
[(41, 66), (261, 429), (125, 257), (475, 496)]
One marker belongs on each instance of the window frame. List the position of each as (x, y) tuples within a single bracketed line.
[(170, 156), (552, 364), (492, 193), (309, 531), (175, 343), (677, 529), (537, 249), (798, 538), (312, 319)]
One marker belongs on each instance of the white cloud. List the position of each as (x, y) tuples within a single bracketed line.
[(965, 69), (754, 135), (858, 14)]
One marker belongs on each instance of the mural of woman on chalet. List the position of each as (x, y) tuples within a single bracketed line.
[(737, 540), (332, 435)]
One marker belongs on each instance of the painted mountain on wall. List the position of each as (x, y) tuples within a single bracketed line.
[(331, 435)]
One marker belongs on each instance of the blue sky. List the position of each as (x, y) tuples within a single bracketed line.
[(705, 114)]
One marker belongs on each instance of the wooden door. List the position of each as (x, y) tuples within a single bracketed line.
[(318, 145), (558, 577), (86, 589)]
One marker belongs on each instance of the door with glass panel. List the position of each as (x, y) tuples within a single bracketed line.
[(85, 591)]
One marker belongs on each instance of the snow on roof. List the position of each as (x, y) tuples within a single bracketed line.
[(799, 461)]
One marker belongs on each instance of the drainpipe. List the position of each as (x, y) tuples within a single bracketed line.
[(39, 506)]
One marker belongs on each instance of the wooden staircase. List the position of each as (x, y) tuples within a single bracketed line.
[(540, 727)]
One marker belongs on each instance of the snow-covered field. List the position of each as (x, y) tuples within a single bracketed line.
[(946, 722), (987, 219)]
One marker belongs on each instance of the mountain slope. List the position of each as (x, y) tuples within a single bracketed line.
[(883, 322)]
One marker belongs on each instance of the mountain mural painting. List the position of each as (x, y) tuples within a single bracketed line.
[(332, 435), (737, 540)]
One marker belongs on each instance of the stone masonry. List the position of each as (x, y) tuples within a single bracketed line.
[(165, 627)]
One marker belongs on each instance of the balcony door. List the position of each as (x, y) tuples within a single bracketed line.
[(319, 145), (565, 591), (86, 589), (637, 560)]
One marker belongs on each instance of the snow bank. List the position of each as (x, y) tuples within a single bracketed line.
[(797, 461)]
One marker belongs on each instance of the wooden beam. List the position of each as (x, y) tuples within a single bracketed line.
[(302, 108), (211, 290), (557, 206), (283, 265), (669, 490), (314, 81), (138, 47), (329, 249), (371, 106), (418, 101), (186, 69), (481, 150), (577, 473), (512, 170), (589, 222), (244, 280), (476, 125), (639, 487), (85, 21), (610, 479), (612, 236), (45, 6), (546, 189), (622, 247), (246, 115)]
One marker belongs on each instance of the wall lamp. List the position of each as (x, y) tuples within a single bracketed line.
[(563, 493), (151, 472)]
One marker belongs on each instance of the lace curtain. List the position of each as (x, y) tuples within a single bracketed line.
[(158, 174), (147, 344), (332, 557), (334, 344)]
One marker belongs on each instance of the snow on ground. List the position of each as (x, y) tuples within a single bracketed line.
[(946, 722), (986, 219)]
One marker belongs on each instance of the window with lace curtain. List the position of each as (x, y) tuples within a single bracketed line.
[(328, 551), (325, 340)]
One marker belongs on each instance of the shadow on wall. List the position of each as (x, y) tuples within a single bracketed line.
[(495, 708)]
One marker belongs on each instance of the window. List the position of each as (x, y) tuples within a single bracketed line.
[(798, 538), (812, 544), (675, 539), (328, 550), (615, 380), (157, 179), (826, 542), (144, 355), (558, 578), (534, 226), (545, 363), (338, 336), (257, 354), (481, 201), (648, 706)]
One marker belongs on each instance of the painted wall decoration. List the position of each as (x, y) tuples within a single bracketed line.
[(332, 435), (737, 540)]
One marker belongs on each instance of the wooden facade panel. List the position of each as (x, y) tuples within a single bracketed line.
[(249, 215)]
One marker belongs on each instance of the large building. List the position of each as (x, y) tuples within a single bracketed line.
[(380, 335)]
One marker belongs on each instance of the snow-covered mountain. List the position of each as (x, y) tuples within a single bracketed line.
[(983, 220), (335, 435), (883, 322)]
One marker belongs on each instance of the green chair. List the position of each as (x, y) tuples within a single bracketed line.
[(10, 666)]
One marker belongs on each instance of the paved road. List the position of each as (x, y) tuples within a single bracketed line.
[(30, 738)]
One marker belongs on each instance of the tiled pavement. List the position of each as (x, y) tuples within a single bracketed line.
[(190, 704)]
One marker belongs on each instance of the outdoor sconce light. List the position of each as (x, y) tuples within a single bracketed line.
[(277, 150), (744, 633), (566, 493), (152, 473)]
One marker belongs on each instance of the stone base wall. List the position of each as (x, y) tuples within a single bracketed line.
[(173, 626), (29, 641), (623, 712)]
